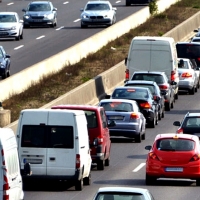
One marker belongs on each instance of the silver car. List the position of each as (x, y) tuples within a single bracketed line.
[(188, 79), (98, 13), (11, 26)]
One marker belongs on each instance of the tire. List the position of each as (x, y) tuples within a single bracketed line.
[(176, 95), (21, 36), (100, 165), (79, 185), (138, 139), (83, 26), (17, 38), (195, 89), (152, 124), (150, 180), (144, 136), (107, 162), (4, 76), (163, 113), (192, 91), (172, 104), (198, 182), (128, 3), (167, 107), (87, 180), (8, 73), (26, 26)]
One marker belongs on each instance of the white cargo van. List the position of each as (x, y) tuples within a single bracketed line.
[(151, 53), (10, 177), (56, 144)]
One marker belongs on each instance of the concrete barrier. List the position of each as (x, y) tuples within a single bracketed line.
[(21, 81)]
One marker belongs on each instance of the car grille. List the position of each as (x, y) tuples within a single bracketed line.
[(3, 33), (37, 17), (96, 17)]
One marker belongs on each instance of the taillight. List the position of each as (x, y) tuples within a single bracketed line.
[(198, 59), (186, 75), (180, 131), (127, 74), (164, 87), (153, 156), (145, 105), (78, 161), (134, 116), (195, 158), (100, 140), (5, 188), (173, 74)]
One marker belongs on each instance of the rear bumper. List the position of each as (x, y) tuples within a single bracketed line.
[(124, 133)]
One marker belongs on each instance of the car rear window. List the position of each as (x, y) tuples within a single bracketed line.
[(191, 122), (47, 136), (175, 145), (117, 106), (130, 93), (151, 87), (149, 77)]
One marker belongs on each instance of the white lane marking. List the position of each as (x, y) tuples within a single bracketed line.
[(10, 4), (40, 37), (66, 2), (60, 28), (18, 47), (77, 20), (139, 167), (118, 1)]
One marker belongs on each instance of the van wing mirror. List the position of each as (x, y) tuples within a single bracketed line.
[(107, 96), (148, 147), (176, 123), (27, 169)]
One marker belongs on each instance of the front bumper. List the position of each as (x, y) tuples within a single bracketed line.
[(9, 34), (38, 22), (103, 21)]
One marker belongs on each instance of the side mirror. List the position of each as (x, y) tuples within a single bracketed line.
[(173, 83), (125, 61), (107, 96), (95, 142), (196, 31), (148, 147), (81, 9), (23, 10), (114, 8), (7, 56), (27, 169), (112, 123), (55, 9), (176, 123)]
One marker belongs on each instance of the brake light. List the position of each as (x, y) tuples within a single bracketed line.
[(145, 105), (100, 140), (198, 59), (163, 87), (173, 73), (134, 116), (127, 74), (186, 75), (179, 131), (78, 161), (153, 156), (195, 158)]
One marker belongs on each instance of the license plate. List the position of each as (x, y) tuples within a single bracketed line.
[(3, 33), (174, 169), (37, 20), (115, 117)]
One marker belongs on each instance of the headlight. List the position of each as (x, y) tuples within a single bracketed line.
[(26, 16), (2, 66), (50, 16), (13, 28), (85, 16)]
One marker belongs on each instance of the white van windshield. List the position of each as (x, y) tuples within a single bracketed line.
[(47, 136)]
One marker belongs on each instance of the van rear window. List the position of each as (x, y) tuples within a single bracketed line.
[(47, 136)]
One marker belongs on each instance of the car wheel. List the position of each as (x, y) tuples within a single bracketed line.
[(192, 91), (83, 26), (17, 38), (4, 76), (198, 85), (143, 136), (21, 36), (100, 165), (107, 161), (79, 184), (152, 124), (167, 106), (8, 73), (172, 104), (176, 95), (163, 113), (138, 139), (87, 180), (195, 89), (156, 119), (198, 182), (128, 3), (150, 180), (26, 26)]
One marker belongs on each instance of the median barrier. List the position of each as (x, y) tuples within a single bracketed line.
[(19, 82)]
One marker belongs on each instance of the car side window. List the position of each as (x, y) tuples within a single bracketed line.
[(103, 118)]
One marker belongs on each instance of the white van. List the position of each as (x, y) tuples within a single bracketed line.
[(10, 177), (151, 53), (56, 144)]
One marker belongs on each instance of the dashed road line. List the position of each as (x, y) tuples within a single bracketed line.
[(19, 47), (40, 37), (139, 167)]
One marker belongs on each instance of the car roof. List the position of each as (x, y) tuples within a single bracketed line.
[(153, 38), (38, 2), (196, 43), (193, 114), (94, 2), (175, 135), (141, 82), (117, 100), (185, 59), (8, 13), (123, 189), (148, 72), (77, 107)]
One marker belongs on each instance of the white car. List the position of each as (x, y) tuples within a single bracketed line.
[(98, 13), (11, 26), (125, 193)]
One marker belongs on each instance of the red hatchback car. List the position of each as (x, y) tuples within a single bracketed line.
[(99, 134), (173, 156)]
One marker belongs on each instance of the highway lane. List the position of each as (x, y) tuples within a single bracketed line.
[(41, 43), (127, 166)]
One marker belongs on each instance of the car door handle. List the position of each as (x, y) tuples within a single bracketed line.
[(82, 147), (52, 158)]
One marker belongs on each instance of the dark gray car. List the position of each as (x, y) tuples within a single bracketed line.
[(4, 63), (40, 13)]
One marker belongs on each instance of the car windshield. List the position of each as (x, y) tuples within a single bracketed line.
[(102, 6), (120, 195), (117, 106), (149, 77), (130, 93), (7, 18), (192, 122), (175, 144), (39, 7)]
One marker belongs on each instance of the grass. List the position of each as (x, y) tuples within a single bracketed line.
[(55, 85)]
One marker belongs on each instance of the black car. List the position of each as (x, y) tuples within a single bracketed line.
[(190, 124), (166, 86), (129, 2), (156, 92), (40, 13), (4, 63), (148, 106)]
